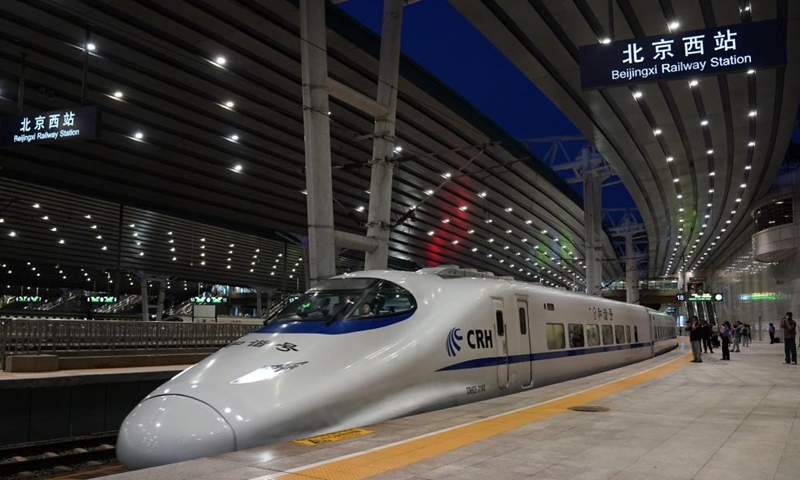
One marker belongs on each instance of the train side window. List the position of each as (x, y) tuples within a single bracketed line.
[(576, 335), (627, 333), (619, 333), (501, 328), (608, 335), (555, 336), (592, 335), (523, 322), (635, 334)]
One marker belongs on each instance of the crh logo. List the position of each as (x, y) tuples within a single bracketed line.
[(452, 342)]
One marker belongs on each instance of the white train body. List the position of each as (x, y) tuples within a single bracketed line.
[(445, 342)]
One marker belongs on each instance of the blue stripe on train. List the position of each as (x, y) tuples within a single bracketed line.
[(338, 327), (495, 361)]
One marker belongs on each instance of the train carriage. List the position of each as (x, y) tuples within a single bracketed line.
[(371, 346)]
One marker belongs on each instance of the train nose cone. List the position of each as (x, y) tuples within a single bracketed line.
[(172, 428)]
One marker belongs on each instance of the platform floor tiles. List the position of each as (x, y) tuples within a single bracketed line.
[(680, 420)]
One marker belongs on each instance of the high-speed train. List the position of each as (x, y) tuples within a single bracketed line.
[(367, 347)]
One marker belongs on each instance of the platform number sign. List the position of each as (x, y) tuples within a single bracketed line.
[(75, 123), (731, 48)]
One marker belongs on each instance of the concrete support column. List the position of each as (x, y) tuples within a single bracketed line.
[(316, 127), (593, 218), (145, 303), (380, 198), (162, 292), (631, 271)]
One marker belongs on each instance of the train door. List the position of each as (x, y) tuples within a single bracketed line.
[(502, 343), (524, 344)]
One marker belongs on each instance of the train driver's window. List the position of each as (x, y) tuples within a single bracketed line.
[(635, 334), (555, 336), (576, 335), (619, 333), (501, 328), (523, 322), (608, 335), (592, 335), (627, 333)]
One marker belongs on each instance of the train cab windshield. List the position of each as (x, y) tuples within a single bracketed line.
[(348, 299)]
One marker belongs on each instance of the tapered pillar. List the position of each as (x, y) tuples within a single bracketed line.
[(631, 271), (316, 127), (380, 197), (593, 217)]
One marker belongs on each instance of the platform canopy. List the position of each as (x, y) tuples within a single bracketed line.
[(694, 151), (201, 118)]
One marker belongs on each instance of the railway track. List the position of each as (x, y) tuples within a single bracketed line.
[(45, 459)]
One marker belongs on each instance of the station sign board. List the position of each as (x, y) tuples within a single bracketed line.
[(209, 300), (699, 297), (82, 123), (732, 48), (28, 299), (758, 296), (102, 299)]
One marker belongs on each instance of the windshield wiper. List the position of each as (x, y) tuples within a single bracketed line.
[(335, 316)]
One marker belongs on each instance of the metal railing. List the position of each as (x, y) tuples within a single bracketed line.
[(126, 303), (36, 337)]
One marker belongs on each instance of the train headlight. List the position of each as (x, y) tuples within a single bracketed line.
[(266, 372)]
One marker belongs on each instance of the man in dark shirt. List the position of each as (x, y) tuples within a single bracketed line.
[(695, 338), (789, 327), (706, 331)]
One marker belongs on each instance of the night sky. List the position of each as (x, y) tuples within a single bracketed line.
[(437, 37)]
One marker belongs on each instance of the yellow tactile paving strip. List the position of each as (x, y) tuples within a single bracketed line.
[(399, 455)]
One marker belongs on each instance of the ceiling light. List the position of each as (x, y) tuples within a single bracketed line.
[(693, 83), (463, 208), (220, 60), (669, 159), (35, 205), (509, 209), (752, 113), (91, 47), (446, 174), (398, 149), (491, 240), (430, 233), (118, 94), (743, 185), (675, 180), (637, 94), (738, 200), (528, 222), (710, 151), (235, 137), (751, 71), (475, 249), (12, 234), (751, 144), (704, 123), (673, 25), (455, 242), (229, 104), (748, 167), (470, 231), (360, 208), (605, 41), (680, 196), (61, 242), (138, 135), (482, 194), (428, 192), (445, 220), (237, 168), (657, 131)]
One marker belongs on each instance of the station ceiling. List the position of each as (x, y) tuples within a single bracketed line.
[(693, 153), (222, 144)]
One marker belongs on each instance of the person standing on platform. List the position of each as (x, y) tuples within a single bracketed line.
[(725, 334), (706, 331), (771, 331), (695, 338), (737, 336), (746, 335), (789, 327)]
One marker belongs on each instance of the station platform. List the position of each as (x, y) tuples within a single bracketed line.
[(667, 419), (64, 378)]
